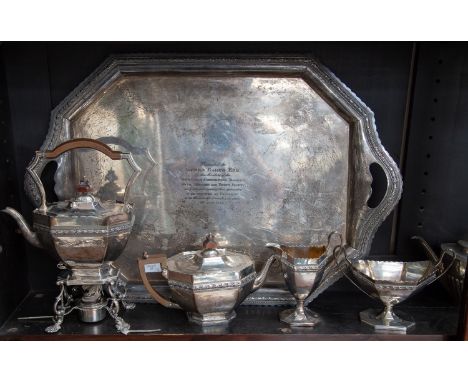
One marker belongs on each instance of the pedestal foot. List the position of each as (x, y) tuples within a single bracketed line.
[(383, 322), (120, 324), (303, 317)]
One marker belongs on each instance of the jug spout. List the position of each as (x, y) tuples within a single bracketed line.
[(261, 277), (29, 235)]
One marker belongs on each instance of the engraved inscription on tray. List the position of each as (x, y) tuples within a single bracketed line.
[(253, 158), (213, 184)]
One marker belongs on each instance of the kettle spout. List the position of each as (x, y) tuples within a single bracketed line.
[(427, 247), (261, 277), (25, 230)]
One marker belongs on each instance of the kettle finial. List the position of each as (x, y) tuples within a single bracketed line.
[(83, 187), (210, 242)]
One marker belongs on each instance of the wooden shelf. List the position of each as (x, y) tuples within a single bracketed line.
[(436, 319)]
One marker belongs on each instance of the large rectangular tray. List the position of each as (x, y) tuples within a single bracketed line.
[(254, 150)]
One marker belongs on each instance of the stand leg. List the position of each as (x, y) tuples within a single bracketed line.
[(120, 292), (128, 305), (61, 303), (122, 326), (116, 298)]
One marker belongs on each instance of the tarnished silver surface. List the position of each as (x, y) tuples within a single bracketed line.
[(86, 235), (455, 278), (92, 292), (303, 268), (260, 150), (391, 282), (207, 284), (81, 229)]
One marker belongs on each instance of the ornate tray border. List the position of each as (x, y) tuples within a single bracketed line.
[(365, 143)]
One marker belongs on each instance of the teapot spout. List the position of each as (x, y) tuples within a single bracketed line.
[(29, 235), (261, 277)]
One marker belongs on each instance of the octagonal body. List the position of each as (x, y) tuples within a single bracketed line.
[(84, 236), (209, 288)]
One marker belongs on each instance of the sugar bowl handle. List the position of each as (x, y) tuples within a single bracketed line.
[(42, 157), (155, 259), (341, 249), (439, 266)]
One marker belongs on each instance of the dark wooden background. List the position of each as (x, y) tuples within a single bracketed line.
[(418, 92)]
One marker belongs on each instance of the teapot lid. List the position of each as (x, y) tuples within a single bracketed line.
[(210, 256), (209, 260)]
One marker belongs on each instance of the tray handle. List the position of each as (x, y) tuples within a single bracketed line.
[(373, 217)]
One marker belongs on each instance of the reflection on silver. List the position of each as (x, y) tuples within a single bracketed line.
[(392, 282), (303, 268), (259, 150), (207, 284), (85, 234)]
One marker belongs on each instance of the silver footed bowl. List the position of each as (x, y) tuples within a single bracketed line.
[(391, 282), (303, 269)]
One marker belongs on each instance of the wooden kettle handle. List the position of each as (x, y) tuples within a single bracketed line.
[(83, 143), (42, 157)]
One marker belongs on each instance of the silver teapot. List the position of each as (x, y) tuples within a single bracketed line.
[(85, 234), (207, 284)]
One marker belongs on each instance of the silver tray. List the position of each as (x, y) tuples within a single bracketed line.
[(256, 150)]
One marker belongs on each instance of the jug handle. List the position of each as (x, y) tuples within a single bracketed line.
[(154, 259), (37, 165)]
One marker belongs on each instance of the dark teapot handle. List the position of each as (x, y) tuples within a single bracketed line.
[(155, 259)]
